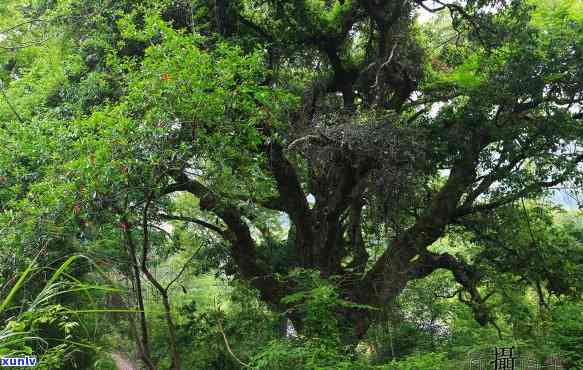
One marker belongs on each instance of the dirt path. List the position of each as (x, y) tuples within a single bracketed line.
[(122, 362)]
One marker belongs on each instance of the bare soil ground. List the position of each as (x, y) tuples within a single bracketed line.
[(122, 362)]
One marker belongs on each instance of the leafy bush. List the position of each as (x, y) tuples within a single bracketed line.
[(566, 334), (420, 361), (305, 354)]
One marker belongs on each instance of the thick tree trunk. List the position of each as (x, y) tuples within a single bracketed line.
[(320, 234)]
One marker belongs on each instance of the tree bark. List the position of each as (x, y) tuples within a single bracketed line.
[(163, 292), (143, 342)]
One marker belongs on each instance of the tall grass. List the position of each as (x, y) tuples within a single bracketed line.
[(16, 338)]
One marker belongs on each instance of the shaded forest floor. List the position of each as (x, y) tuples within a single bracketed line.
[(122, 362)]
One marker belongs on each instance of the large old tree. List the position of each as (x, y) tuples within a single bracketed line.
[(367, 133)]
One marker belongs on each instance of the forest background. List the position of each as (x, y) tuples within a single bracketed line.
[(302, 184)]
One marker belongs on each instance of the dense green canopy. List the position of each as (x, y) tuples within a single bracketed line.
[(352, 139)]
